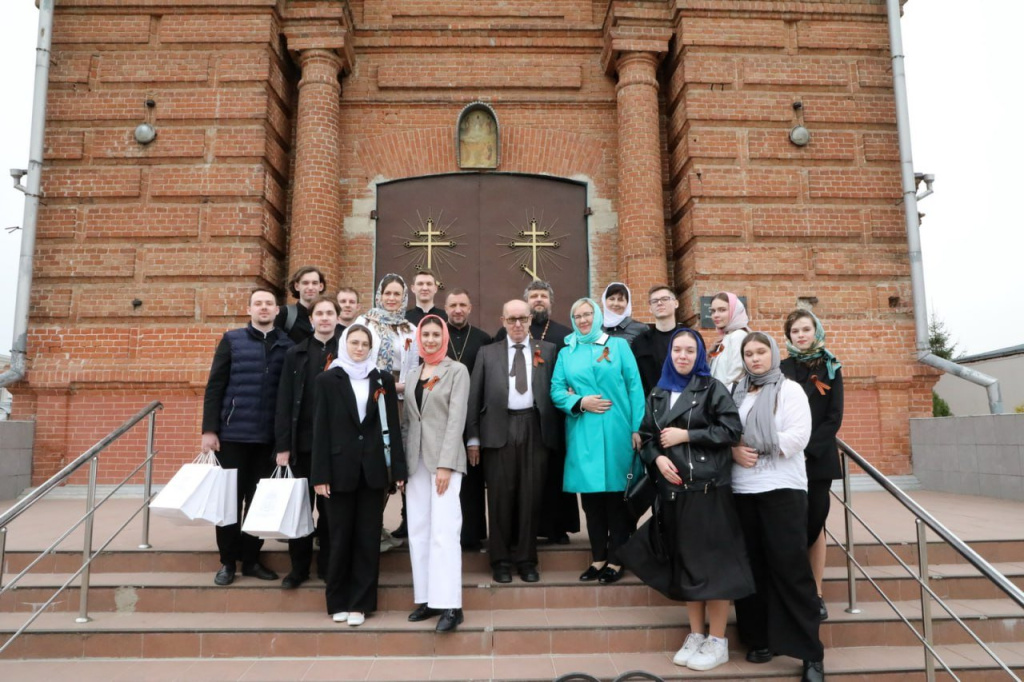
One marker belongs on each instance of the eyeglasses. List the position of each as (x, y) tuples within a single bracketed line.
[(513, 321), (659, 301), (582, 316)]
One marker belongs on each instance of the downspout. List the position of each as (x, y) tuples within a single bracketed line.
[(913, 220), (32, 195)]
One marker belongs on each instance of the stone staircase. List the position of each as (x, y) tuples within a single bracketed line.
[(155, 610)]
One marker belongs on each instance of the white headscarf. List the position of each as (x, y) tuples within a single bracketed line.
[(612, 319), (362, 369)]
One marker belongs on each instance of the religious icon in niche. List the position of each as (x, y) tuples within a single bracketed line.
[(478, 137)]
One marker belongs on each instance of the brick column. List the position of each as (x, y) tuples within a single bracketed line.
[(315, 235), (641, 204)]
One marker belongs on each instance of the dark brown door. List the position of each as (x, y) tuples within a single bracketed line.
[(488, 233)]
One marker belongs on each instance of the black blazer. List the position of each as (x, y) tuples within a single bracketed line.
[(344, 447), (826, 402), (487, 418)]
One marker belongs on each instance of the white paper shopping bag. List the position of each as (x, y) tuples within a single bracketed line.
[(187, 497), (280, 508)]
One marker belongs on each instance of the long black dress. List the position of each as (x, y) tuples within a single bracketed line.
[(691, 549)]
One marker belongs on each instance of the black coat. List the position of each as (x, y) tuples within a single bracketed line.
[(707, 410), (291, 394), (822, 452), (650, 353), (344, 447)]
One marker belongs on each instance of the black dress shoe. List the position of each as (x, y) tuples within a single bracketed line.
[(502, 573), (610, 575), (402, 532), (450, 619), (258, 570), (423, 612), (814, 671), (822, 609), (292, 581), (590, 575), (225, 576), (528, 573), (762, 655)]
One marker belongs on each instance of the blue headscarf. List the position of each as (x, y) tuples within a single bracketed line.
[(671, 379), (595, 332)]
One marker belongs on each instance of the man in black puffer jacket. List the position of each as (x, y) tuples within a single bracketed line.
[(238, 421)]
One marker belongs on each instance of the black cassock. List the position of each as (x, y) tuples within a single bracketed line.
[(463, 346)]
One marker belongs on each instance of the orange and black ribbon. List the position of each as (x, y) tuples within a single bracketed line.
[(408, 344), (820, 385), (330, 359), (537, 359), (378, 393), (431, 382), (605, 355)]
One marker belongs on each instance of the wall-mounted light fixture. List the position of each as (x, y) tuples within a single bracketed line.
[(799, 135), (145, 132)]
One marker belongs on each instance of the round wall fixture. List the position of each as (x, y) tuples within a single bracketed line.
[(800, 136), (145, 133)]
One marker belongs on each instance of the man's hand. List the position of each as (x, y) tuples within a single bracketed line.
[(473, 455), (210, 442)]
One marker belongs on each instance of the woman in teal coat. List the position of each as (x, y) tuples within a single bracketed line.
[(597, 384)]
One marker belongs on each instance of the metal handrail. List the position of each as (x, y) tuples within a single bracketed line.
[(922, 519), (92, 456)]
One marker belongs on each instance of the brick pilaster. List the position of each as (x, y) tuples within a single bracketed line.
[(316, 199), (641, 206)]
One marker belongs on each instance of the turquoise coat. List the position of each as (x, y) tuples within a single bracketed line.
[(600, 446)]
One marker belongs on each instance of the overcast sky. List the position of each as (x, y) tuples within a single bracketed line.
[(963, 71)]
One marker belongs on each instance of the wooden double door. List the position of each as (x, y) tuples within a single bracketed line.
[(490, 234)]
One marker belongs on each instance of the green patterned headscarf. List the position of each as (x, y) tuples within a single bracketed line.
[(817, 350)]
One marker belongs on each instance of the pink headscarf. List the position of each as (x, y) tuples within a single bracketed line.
[(437, 356), (737, 315)]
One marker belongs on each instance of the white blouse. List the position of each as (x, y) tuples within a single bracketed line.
[(793, 423)]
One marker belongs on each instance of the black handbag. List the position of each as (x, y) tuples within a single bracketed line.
[(641, 490)]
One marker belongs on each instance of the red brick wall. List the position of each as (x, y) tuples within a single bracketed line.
[(189, 223)]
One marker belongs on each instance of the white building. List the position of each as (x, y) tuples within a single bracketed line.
[(965, 398)]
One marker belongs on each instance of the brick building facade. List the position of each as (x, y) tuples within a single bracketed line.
[(278, 119)]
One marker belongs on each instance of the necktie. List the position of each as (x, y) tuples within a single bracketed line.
[(519, 368)]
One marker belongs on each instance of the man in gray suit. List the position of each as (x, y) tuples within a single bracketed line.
[(512, 425)]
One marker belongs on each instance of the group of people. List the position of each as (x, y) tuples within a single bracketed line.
[(739, 444)]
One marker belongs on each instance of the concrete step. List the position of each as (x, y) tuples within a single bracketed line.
[(575, 556), (484, 633), (877, 664), (187, 592)]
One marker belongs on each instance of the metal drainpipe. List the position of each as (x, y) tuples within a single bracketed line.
[(913, 220), (32, 194)]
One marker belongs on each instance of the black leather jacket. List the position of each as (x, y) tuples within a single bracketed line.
[(708, 412)]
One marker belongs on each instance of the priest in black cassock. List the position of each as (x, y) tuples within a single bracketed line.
[(560, 511), (464, 342)]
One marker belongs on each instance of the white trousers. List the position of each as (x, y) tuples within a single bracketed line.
[(435, 529)]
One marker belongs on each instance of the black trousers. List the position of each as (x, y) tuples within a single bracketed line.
[(253, 462), (560, 511), (473, 499), (608, 524), (783, 614), (300, 550), (355, 520), (515, 476)]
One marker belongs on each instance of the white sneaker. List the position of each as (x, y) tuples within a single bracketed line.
[(340, 617), (388, 542), (355, 618), (690, 647), (712, 653)]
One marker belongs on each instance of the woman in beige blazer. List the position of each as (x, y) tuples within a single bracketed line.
[(436, 397)]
